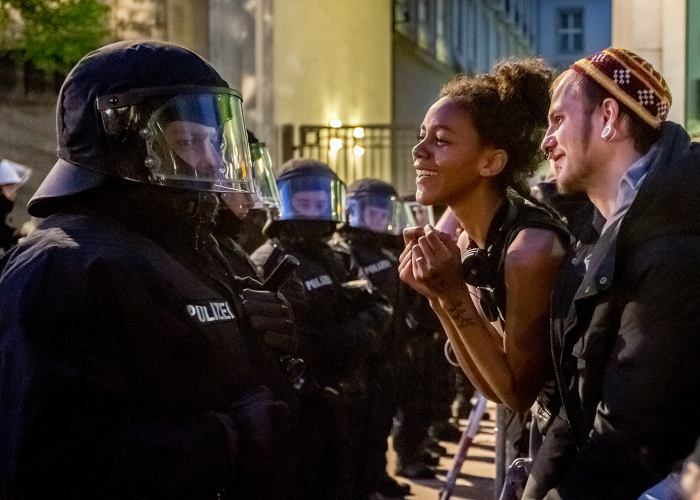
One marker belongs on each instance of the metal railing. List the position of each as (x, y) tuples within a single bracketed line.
[(357, 151)]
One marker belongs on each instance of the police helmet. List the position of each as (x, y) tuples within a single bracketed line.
[(310, 190), (266, 195), (421, 214), (372, 204), (150, 112)]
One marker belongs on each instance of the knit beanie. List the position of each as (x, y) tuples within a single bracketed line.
[(631, 80)]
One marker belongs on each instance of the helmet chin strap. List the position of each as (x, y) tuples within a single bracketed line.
[(201, 207), (200, 210)]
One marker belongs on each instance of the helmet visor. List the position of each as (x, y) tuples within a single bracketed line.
[(312, 197), (194, 138), (199, 141), (268, 194), (377, 212), (421, 214)]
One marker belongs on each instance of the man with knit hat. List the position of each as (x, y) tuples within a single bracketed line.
[(625, 316)]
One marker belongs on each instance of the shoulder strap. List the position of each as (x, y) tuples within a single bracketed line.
[(526, 214)]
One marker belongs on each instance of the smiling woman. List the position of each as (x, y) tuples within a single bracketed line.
[(476, 146)]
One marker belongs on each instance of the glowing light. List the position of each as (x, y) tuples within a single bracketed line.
[(335, 123), (358, 132), (358, 150), (335, 144)]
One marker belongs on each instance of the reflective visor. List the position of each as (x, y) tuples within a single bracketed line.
[(422, 214), (311, 197), (194, 140), (268, 194), (378, 212)]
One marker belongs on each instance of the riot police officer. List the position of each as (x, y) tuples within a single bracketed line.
[(125, 370), (230, 230), (330, 319), (370, 242)]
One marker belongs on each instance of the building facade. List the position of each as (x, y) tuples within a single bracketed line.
[(348, 82), (432, 40), (660, 31), (571, 29)]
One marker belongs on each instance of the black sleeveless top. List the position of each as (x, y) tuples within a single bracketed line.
[(515, 215)]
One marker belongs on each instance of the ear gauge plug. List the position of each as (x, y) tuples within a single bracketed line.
[(607, 134)]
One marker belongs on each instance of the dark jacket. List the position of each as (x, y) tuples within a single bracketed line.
[(626, 350), (8, 237), (368, 257), (327, 316), (119, 366)]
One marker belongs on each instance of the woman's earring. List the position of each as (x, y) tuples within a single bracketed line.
[(608, 134)]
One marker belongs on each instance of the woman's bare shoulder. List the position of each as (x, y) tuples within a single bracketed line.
[(533, 248)]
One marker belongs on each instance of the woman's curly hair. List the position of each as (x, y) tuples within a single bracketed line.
[(509, 109)]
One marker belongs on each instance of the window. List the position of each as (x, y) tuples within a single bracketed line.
[(472, 31), (570, 31), (459, 29), (427, 25), (405, 17)]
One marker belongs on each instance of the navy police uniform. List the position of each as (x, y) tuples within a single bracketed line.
[(126, 370)]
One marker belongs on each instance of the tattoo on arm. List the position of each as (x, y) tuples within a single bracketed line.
[(462, 315)]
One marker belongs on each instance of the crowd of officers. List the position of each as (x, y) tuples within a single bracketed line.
[(149, 347), (370, 347)]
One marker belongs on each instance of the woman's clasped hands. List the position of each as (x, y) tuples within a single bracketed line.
[(431, 262)]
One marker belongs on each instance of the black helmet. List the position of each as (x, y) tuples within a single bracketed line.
[(151, 112), (373, 205), (310, 190), (312, 200)]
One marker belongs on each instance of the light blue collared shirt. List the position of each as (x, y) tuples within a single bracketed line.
[(629, 186)]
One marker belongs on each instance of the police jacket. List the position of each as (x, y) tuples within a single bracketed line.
[(627, 347), (327, 315), (227, 232), (120, 363), (369, 256)]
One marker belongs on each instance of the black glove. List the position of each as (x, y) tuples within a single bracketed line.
[(261, 422), (271, 316)]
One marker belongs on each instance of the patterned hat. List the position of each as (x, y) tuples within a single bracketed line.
[(631, 80)]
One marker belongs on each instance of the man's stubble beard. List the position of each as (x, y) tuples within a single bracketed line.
[(576, 182)]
